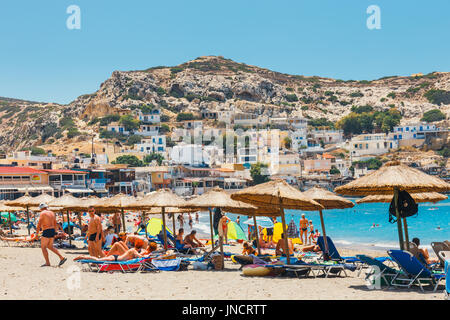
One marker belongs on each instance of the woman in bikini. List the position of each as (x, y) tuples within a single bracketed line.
[(304, 228), (129, 254)]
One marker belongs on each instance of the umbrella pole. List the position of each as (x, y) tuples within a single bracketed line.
[(399, 221), (68, 228), (10, 225), (221, 251), (283, 221), (80, 221), (145, 225), (28, 221), (405, 225), (324, 235), (173, 222), (123, 221), (211, 227), (257, 235), (163, 211)]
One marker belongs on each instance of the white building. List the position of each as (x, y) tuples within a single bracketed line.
[(153, 116), (190, 154), (299, 139), (370, 144), (412, 131), (152, 144), (148, 130), (118, 128)]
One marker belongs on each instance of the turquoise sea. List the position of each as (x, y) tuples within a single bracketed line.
[(353, 227)]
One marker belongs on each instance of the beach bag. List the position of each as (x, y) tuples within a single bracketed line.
[(217, 261), (407, 207)]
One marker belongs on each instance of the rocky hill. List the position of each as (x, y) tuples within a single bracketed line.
[(211, 82)]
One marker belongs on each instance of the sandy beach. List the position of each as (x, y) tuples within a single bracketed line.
[(23, 278)]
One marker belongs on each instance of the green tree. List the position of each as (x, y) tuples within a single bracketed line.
[(433, 115), (288, 142), (334, 170), (154, 156), (131, 160), (256, 172), (129, 123), (185, 116)]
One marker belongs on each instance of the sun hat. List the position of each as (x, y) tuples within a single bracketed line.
[(43, 205)]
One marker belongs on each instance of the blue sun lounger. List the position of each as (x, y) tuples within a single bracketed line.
[(379, 270), (414, 271), (302, 268), (333, 252)]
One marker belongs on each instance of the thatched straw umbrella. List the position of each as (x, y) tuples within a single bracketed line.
[(24, 202), (390, 179), (69, 203), (418, 198), (4, 207), (217, 198), (277, 194), (162, 198), (329, 201), (118, 202)]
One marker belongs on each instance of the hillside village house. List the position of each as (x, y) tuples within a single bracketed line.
[(25, 159), (370, 144), (299, 139), (317, 165), (327, 136), (152, 144), (118, 128), (190, 154), (412, 134), (148, 130), (152, 117)]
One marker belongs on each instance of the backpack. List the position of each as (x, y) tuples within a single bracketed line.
[(407, 207)]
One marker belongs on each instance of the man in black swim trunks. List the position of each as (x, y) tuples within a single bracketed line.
[(47, 222)]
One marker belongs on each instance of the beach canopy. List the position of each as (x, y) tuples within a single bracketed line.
[(119, 201), (217, 198), (392, 175), (154, 227), (328, 199), (4, 207), (24, 202), (264, 222), (235, 232), (161, 198), (276, 192), (418, 197), (69, 202), (6, 215)]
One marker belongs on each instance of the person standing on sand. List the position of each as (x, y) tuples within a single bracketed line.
[(304, 229), (117, 222), (94, 234), (47, 222)]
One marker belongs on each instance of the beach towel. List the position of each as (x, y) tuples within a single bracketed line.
[(447, 281), (292, 230)]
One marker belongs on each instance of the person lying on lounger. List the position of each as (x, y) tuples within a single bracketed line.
[(128, 255), (281, 248), (31, 237), (135, 241)]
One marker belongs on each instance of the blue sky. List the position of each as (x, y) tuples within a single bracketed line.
[(42, 60)]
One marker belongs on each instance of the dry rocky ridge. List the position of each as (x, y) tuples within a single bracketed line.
[(217, 83)]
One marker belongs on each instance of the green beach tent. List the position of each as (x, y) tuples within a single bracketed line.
[(5, 217), (235, 232)]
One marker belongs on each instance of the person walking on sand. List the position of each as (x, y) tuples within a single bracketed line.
[(94, 234), (304, 229), (47, 222), (311, 232)]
